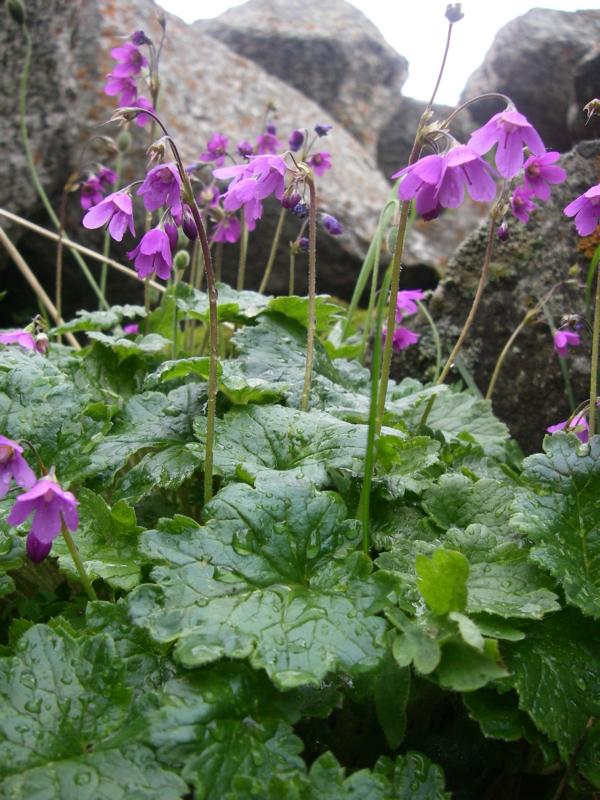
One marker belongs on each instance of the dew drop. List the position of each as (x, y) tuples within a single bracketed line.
[(28, 680), (83, 778)]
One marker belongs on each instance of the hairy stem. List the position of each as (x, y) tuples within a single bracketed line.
[(312, 292), (273, 251), (292, 270), (241, 276), (83, 577), (107, 238), (594, 365), (59, 256)]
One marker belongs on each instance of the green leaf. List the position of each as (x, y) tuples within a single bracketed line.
[(391, 693), (68, 730), (296, 308), (267, 440), (442, 580), (499, 715), (107, 542), (100, 320), (256, 582), (557, 675), (149, 345), (455, 501), (561, 519), (465, 669), (232, 305)]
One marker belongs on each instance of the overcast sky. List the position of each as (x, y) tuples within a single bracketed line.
[(417, 29)]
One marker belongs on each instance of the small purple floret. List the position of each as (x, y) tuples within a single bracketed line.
[(511, 131), (138, 38), (153, 254), (92, 192), (126, 87), (578, 425), (402, 338), (13, 467), (162, 187), (130, 60), (322, 130), (131, 328), (539, 173), (268, 143), (228, 230), (406, 302), (117, 211), (296, 140), (216, 149), (253, 182), (320, 163), (521, 203), (565, 339), (332, 225)]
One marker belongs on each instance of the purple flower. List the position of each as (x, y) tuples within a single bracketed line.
[(252, 182), (153, 254), (22, 338), (296, 140), (332, 225), (92, 192), (13, 467), (209, 196), (402, 338), (586, 210), (117, 210), (131, 328), (139, 38), (245, 149), (320, 162), (538, 174), (511, 131), (439, 181), (565, 339), (126, 87), (300, 210), (268, 143), (521, 203), (290, 201), (216, 150), (51, 506), (188, 224), (304, 243), (162, 187), (130, 60), (143, 119), (503, 232), (106, 176), (578, 425), (406, 302), (228, 230), (322, 130)]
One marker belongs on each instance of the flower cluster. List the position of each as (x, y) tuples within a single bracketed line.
[(406, 306), (51, 506), (122, 81)]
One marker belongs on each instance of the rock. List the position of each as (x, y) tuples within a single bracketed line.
[(533, 60), (329, 52), (586, 87), (220, 92), (530, 393)]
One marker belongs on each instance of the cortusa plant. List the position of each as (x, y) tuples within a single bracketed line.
[(235, 564)]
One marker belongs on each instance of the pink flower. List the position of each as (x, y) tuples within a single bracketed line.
[(153, 254), (130, 60), (117, 210), (578, 425), (106, 176), (586, 210), (216, 149), (538, 174), (25, 339), (565, 339), (92, 192), (268, 143), (252, 183), (228, 230), (320, 163), (126, 87), (162, 187), (439, 181), (511, 131), (406, 302), (142, 119), (51, 506), (13, 467), (521, 203), (402, 338), (131, 329)]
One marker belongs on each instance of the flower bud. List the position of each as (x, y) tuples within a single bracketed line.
[(592, 109), (181, 259), (303, 243), (245, 149), (188, 224), (296, 140), (16, 9), (124, 141), (41, 343), (157, 150), (290, 201), (138, 38), (332, 225), (300, 210), (454, 13), (503, 232), (322, 130)]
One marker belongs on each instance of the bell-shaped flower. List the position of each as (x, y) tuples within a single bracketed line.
[(153, 254), (117, 210), (539, 173), (565, 339), (13, 467), (162, 187), (586, 210), (511, 131)]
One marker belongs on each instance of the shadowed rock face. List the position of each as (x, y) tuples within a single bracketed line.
[(530, 393), (533, 60)]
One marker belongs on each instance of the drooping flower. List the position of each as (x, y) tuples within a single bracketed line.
[(304, 243), (296, 140), (13, 467), (539, 173), (130, 60), (153, 254), (406, 302), (565, 339), (106, 176), (332, 225), (268, 143), (521, 203), (578, 425), (143, 119), (117, 210), (188, 224), (228, 230), (402, 338), (322, 130), (162, 187), (586, 210), (139, 38), (511, 131), (92, 192), (131, 328), (439, 181), (245, 149), (51, 506), (252, 183), (25, 339), (216, 149), (290, 200), (503, 231), (300, 210), (126, 87), (320, 162)]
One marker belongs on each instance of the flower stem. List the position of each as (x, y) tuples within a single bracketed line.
[(107, 239), (562, 363), (312, 292), (31, 165), (436, 338), (273, 252), (59, 257), (292, 269), (89, 589), (594, 366), (241, 276)]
